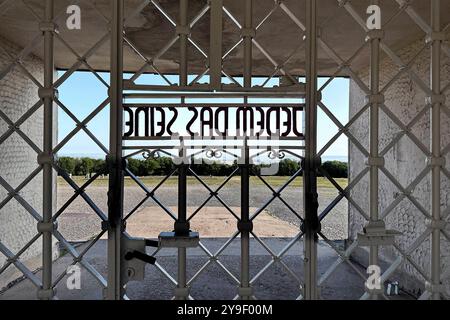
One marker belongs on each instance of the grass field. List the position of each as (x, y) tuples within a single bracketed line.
[(212, 181)]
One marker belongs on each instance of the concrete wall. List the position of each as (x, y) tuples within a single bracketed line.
[(17, 160), (405, 99)]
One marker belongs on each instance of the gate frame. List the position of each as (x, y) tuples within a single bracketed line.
[(311, 226)]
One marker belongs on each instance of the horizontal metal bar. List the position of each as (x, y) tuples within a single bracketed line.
[(129, 85), (218, 138), (214, 95), (131, 148), (214, 105)]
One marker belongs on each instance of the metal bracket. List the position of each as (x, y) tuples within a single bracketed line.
[(182, 228), (436, 99), (245, 226), (171, 240), (182, 293), (123, 163), (48, 93), (317, 163), (435, 36), (45, 26), (245, 292), (248, 32), (436, 224), (45, 158), (183, 30), (46, 294), (375, 234), (375, 34), (374, 291), (404, 4), (106, 226), (342, 3), (433, 288), (375, 99), (375, 162), (436, 162), (47, 227)]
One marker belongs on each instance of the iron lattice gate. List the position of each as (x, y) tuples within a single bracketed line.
[(221, 84)]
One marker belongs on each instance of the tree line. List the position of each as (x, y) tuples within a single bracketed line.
[(164, 166)]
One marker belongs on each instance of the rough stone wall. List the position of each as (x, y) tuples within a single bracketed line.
[(18, 160), (405, 161)]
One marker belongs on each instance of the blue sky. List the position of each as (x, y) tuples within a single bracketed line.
[(83, 92)]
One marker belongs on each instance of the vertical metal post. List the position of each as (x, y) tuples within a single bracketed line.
[(183, 33), (311, 224), (248, 34), (48, 27), (245, 226), (215, 52), (115, 290), (182, 225), (436, 149), (374, 36)]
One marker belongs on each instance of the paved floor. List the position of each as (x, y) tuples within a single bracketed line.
[(213, 283)]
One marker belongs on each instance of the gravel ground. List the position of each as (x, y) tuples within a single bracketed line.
[(79, 222)]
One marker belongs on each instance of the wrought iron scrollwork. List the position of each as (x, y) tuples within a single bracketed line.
[(275, 154), (211, 153), (148, 154)]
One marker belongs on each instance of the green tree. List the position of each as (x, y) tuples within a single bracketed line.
[(67, 164), (134, 166), (148, 167), (86, 166), (336, 169)]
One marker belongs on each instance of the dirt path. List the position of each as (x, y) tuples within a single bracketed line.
[(79, 222)]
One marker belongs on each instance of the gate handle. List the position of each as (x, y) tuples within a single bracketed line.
[(140, 256)]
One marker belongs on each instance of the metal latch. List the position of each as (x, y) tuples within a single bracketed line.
[(172, 240), (376, 234), (136, 257)]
